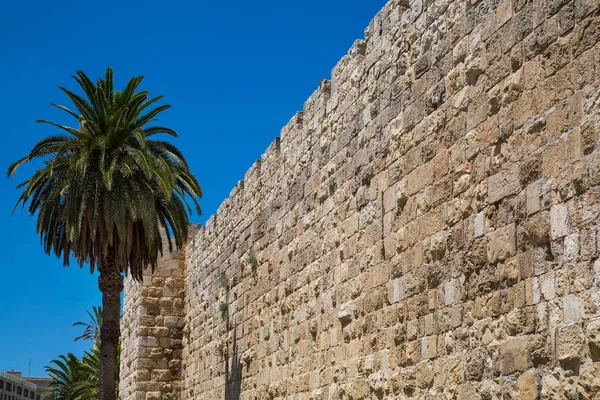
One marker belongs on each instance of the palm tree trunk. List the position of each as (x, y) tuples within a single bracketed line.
[(110, 283)]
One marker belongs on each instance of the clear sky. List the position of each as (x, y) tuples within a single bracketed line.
[(234, 71)]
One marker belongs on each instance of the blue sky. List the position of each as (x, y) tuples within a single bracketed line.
[(235, 72)]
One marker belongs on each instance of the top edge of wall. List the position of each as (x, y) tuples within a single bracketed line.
[(325, 89)]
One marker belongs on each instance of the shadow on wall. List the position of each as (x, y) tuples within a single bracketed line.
[(233, 374)]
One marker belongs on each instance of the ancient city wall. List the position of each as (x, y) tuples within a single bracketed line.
[(427, 226), (152, 331)]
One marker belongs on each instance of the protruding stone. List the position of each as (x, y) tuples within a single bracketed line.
[(345, 314)]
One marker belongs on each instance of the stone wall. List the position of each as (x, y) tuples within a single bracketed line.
[(427, 227), (152, 329)]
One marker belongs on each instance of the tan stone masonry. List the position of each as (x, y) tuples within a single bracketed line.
[(426, 228)]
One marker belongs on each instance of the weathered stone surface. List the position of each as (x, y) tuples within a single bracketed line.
[(588, 385), (570, 343), (593, 339), (345, 314), (513, 355), (504, 183), (528, 385), (502, 243), (425, 228)]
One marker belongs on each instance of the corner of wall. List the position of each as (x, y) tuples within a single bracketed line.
[(152, 329)]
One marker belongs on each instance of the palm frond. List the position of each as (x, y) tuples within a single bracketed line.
[(105, 188)]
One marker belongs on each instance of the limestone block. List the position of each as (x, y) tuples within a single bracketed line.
[(558, 121), (535, 231), (528, 385), (428, 347), (558, 221), (571, 247), (547, 286), (553, 389), (449, 293), (153, 396), (594, 170), (555, 159), (346, 313), (588, 385), (572, 309), (539, 350), (593, 338), (534, 198), (503, 183), (423, 375), (501, 244), (569, 344), (397, 290), (513, 355), (479, 224), (146, 341)]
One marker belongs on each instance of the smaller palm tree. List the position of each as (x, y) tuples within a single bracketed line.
[(65, 373), (92, 326), (74, 378), (89, 387)]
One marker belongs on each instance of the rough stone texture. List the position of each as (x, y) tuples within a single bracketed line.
[(426, 228), (152, 329)]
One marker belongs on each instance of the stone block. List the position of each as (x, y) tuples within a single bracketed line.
[(346, 313), (513, 355), (555, 159), (588, 384), (558, 221), (571, 247), (558, 121), (479, 224), (532, 291), (534, 198), (397, 290), (173, 322), (539, 350), (503, 183), (153, 396), (547, 286), (501, 244), (569, 344), (423, 375), (594, 170), (428, 347), (528, 385), (572, 309), (146, 341), (593, 338), (449, 293)]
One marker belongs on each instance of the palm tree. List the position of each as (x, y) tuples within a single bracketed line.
[(104, 192), (75, 379), (65, 373), (92, 327), (88, 388)]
